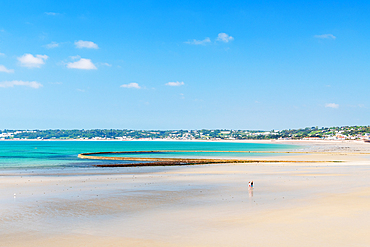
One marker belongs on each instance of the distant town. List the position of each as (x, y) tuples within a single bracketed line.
[(310, 133)]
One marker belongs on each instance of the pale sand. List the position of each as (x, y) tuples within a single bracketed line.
[(292, 204)]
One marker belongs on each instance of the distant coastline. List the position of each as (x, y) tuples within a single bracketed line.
[(293, 142), (307, 134)]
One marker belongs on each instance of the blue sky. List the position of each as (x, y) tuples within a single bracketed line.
[(184, 65)]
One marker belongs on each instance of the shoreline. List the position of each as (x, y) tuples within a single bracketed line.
[(237, 141), (295, 204)]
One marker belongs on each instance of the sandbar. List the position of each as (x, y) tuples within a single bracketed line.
[(292, 204)]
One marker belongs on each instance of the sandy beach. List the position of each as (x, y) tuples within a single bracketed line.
[(292, 204)]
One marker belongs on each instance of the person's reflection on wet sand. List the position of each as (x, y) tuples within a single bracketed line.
[(250, 191)]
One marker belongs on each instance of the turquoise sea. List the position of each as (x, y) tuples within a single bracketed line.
[(55, 154)]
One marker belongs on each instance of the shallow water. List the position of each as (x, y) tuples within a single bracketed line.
[(23, 154)]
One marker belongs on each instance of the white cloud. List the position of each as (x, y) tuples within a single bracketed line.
[(32, 84), (224, 37), (131, 85), (106, 64), (199, 42), (4, 69), (325, 36), (332, 105), (75, 57), (43, 35), (175, 84), (51, 13), (83, 63), (52, 45), (30, 61), (2, 54), (86, 44)]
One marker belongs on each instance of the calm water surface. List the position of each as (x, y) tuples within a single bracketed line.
[(27, 154)]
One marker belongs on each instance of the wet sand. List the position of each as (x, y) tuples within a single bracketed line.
[(292, 204)]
